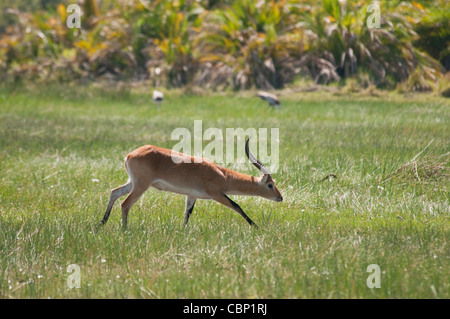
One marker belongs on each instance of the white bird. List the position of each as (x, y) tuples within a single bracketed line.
[(157, 97), (271, 98)]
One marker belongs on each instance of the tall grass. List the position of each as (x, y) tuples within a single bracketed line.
[(61, 152)]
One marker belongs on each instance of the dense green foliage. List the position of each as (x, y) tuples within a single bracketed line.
[(234, 44), (62, 150)]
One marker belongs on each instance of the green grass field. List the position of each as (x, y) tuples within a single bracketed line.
[(62, 150)]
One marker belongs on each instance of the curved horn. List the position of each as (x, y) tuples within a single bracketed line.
[(254, 160)]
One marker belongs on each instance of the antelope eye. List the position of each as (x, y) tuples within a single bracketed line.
[(270, 186)]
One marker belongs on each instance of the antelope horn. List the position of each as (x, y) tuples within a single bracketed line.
[(254, 160)]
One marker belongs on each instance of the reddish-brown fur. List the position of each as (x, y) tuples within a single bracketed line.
[(197, 178)]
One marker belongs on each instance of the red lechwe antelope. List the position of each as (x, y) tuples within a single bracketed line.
[(196, 178)]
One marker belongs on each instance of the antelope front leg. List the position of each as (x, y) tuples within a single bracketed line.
[(225, 200), (190, 202)]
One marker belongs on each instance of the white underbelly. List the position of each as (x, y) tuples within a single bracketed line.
[(167, 187)]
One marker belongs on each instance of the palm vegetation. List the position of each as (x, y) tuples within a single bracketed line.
[(236, 44)]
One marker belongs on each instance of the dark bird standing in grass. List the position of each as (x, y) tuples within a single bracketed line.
[(158, 97), (271, 98)]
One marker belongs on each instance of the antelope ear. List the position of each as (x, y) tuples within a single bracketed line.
[(264, 179)]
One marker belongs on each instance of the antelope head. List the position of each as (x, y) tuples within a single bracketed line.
[(266, 184)]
